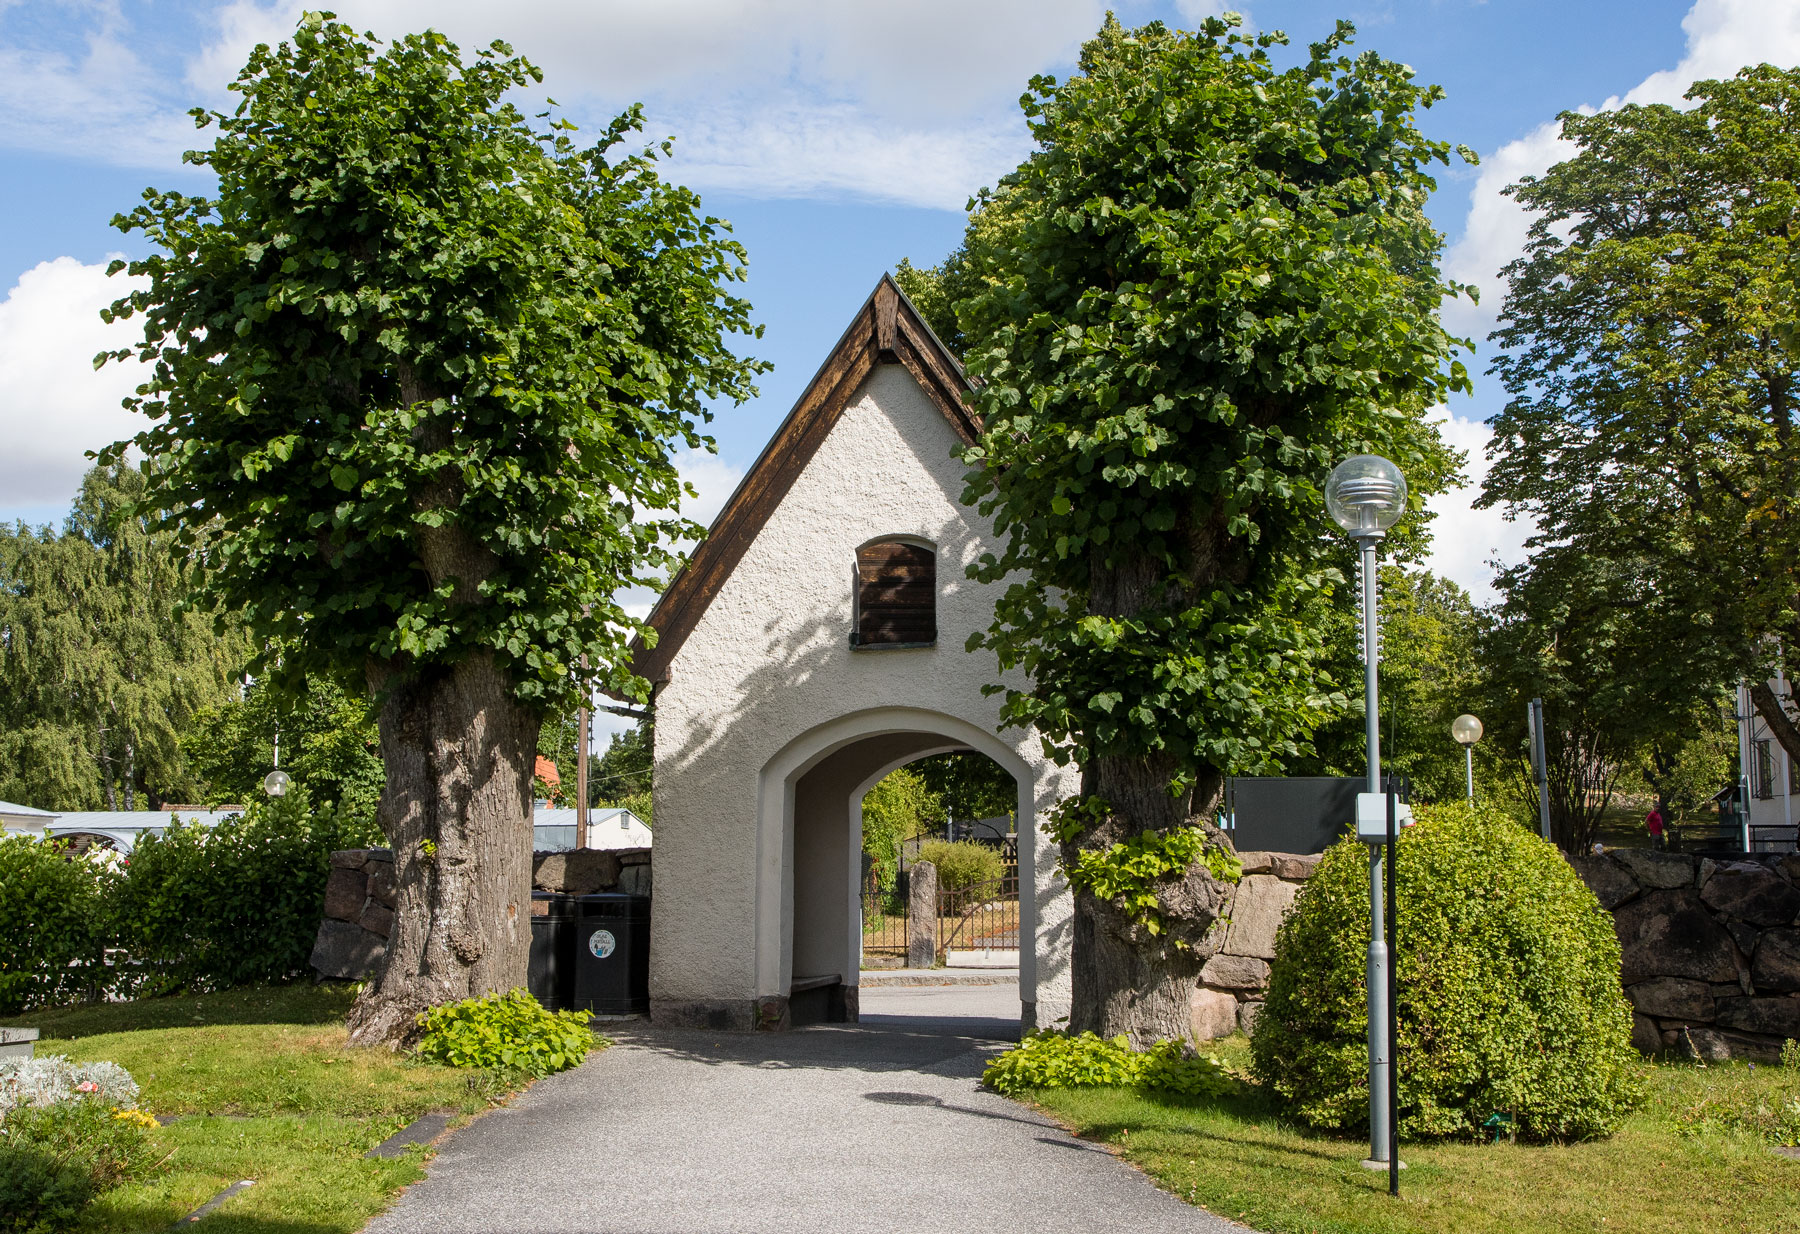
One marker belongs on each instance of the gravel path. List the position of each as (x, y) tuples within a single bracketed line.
[(875, 1127)]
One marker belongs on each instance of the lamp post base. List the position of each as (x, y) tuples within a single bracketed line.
[(1369, 1163)]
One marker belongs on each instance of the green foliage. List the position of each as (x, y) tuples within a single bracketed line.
[(208, 907), (1218, 281), (55, 1159), (100, 667), (962, 867), (897, 809), (1649, 339), (622, 775), (506, 1032), (1740, 1098), (419, 367), (1128, 872), (1057, 1060), (1429, 676), (328, 744), (1507, 972), (1623, 675), (969, 785), (56, 913)]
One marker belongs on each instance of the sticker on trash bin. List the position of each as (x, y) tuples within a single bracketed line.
[(602, 943)]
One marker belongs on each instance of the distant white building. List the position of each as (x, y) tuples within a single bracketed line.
[(1771, 777), (609, 827), (118, 830)]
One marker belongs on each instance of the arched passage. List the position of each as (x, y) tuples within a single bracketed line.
[(810, 821)]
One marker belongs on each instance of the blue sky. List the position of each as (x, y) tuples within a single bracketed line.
[(837, 137)]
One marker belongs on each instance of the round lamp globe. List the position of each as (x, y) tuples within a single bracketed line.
[(1365, 494), (275, 784), (1466, 729)]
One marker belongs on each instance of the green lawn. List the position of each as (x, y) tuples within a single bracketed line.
[(268, 1090), (1687, 1163)]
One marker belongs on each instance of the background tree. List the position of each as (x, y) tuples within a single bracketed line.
[(1429, 676), (1218, 281), (970, 785), (899, 808), (418, 369), (1649, 337), (1621, 675), (101, 668), (329, 744)]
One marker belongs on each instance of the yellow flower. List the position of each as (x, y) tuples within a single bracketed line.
[(139, 1118)]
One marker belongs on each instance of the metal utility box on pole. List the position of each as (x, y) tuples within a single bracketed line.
[(1534, 716)]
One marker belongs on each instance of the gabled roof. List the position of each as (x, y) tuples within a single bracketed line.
[(886, 330)]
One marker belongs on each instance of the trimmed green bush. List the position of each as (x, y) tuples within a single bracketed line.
[(1507, 972), (507, 1032), (55, 917), (962, 866), (232, 904), (1054, 1059)]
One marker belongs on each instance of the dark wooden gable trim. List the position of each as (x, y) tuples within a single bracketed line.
[(886, 330)]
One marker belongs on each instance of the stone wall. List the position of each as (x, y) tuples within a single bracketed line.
[(1711, 949), (1230, 994), (1711, 958), (359, 899)]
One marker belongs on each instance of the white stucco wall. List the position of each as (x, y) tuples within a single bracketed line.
[(767, 687)]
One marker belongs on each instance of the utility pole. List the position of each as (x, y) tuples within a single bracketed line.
[(1534, 716), (582, 726)]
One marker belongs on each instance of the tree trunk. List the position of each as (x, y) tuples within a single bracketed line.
[(1781, 725), (459, 749), (1124, 978)]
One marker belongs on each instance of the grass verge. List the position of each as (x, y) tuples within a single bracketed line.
[(265, 1088), (1691, 1161)]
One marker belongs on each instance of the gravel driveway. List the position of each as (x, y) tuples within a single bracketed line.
[(875, 1127)]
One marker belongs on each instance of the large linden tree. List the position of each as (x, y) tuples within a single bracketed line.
[(419, 368)]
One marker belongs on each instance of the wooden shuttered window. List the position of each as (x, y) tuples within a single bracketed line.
[(896, 594)]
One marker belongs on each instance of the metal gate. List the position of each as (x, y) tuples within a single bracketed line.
[(981, 918)]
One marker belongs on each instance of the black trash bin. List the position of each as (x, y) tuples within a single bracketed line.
[(550, 972), (612, 953)]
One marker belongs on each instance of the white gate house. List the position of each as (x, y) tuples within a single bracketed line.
[(815, 643)]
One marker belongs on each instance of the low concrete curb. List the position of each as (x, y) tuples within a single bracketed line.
[(938, 976)]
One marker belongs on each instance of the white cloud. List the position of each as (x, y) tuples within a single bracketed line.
[(98, 100), (1464, 540), (713, 479), (54, 406), (1723, 36), (782, 98)]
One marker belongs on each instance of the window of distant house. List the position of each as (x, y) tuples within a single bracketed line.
[(1762, 770), (896, 594)]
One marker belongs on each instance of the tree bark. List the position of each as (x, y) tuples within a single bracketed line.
[(459, 749), (1781, 725), (1124, 978)]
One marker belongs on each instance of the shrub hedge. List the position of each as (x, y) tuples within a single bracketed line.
[(1507, 977), (1053, 1059), (962, 866), (196, 908), (56, 917)]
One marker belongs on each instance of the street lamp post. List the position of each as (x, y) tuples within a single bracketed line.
[(1366, 495), (1467, 731)]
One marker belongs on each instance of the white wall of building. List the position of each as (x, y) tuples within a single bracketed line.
[(770, 724)]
